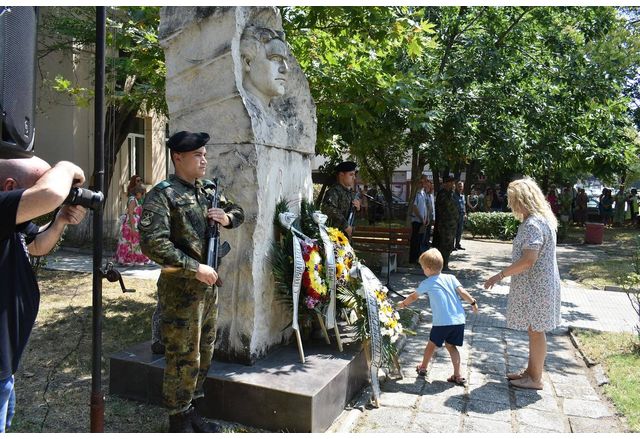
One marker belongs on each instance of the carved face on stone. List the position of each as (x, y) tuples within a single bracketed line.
[(264, 63)]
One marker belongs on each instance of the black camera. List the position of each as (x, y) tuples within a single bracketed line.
[(85, 198)]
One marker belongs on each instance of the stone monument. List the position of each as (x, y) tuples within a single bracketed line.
[(230, 73)]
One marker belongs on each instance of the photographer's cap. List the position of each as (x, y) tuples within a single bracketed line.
[(185, 141)]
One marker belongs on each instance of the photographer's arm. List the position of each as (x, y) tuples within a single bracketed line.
[(45, 241), (49, 191)]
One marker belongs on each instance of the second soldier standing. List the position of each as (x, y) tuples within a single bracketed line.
[(340, 200), (173, 233)]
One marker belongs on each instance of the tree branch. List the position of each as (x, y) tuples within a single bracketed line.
[(501, 38)]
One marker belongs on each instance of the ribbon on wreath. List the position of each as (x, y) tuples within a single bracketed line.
[(330, 263), (370, 284), (287, 219)]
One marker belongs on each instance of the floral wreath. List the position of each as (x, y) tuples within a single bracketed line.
[(389, 317), (344, 255), (313, 279)]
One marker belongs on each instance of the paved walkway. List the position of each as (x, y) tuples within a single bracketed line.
[(69, 259), (570, 401)]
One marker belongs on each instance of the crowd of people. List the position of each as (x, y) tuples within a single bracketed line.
[(570, 205)]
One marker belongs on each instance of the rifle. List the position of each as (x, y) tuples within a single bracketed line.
[(215, 251), (351, 220)]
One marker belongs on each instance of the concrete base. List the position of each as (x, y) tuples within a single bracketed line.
[(277, 393)]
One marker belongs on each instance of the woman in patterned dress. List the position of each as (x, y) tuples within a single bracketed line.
[(128, 251), (533, 303)]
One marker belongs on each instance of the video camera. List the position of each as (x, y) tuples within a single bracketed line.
[(84, 197)]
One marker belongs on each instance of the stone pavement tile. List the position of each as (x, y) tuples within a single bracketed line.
[(557, 361), (525, 428), (410, 385), (589, 425), (436, 423), (489, 410), (397, 399), (533, 400), (573, 391), (585, 408), (484, 331), (443, 389), (493, 367), (385, 420), (449, 405), (577, 378), (494, 393), (478, 378), (487, 355), (481, 425), (518, 350), (536, 418), (486, 341)]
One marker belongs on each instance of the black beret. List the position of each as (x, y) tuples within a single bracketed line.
[(448, 178), (185, 141), (346, 167)]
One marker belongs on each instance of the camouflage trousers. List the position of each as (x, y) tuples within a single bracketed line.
[(189, 313), (444, 240), (156, 322)]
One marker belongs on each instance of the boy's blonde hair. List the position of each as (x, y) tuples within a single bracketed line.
[(432, 259)]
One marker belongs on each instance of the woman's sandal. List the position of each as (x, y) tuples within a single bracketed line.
[(517, 375), (421, 371), (457, 380)]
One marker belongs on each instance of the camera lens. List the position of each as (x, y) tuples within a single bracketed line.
[(84, 197)]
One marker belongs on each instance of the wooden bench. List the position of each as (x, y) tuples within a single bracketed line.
[(395, 240)]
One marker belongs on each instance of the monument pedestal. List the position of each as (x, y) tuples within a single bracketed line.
[(276, 393)]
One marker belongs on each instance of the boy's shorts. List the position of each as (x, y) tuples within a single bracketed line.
[(452, 334)]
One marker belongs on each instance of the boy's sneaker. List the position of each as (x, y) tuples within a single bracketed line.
[(421, 371)]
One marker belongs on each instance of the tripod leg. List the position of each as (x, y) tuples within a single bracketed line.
[(299, 341), (324, 329), (338, 340)]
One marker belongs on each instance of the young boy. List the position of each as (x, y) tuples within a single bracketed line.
[(444, 292)]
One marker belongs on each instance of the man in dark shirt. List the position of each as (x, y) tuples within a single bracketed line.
[(29, 188)]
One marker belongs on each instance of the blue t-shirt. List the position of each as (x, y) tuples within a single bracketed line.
[(446, 306)]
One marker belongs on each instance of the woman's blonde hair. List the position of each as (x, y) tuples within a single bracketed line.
[(525, 194)]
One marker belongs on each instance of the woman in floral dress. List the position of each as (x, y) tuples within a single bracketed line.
[(128, 251), (533, 303)]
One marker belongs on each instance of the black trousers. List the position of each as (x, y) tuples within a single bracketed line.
[(416, 240)]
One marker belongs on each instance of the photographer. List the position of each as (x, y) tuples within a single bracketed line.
[(29, 188)]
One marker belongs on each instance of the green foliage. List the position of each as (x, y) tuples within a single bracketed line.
[(134, 65), (541, 91), (497, 225)]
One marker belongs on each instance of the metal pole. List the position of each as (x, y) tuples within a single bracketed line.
[(97, 397)]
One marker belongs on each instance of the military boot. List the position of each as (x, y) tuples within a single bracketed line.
[(181, 422), (200, 424)]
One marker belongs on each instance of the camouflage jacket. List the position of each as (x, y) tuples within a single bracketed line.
[(336, 205), (173, 223), (447, 212)]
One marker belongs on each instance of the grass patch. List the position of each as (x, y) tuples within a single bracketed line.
[(617, 249), (619, 354), (53, 383)]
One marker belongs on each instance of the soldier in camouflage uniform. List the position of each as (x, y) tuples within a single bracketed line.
[(173, 233), (444, 233), (340, 200)]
